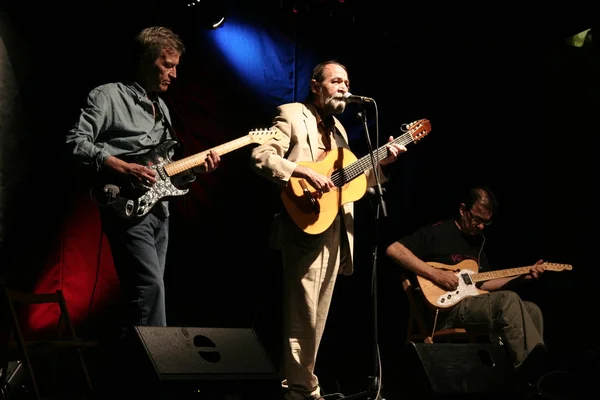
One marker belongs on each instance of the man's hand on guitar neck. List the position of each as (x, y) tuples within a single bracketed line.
[(212, 162), (394, 150), (536, 271), (320, 182), (144, 174), (513, 282)]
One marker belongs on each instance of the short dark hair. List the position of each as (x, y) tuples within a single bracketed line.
[(482, 195), (151, 41)]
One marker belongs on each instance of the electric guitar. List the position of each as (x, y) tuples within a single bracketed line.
[(313, 214), (438, 298), (132, 200)]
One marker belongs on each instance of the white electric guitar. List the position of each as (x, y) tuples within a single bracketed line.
[(466, 270)]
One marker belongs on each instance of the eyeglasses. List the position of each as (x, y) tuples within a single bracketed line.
[(478, 220)]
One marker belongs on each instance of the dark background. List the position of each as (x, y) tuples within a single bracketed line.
[(510, 105)]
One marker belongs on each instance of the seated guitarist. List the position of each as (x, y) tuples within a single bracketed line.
[(311, 262), (518, 323)]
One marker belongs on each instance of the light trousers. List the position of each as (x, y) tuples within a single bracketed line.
[(310, 268)]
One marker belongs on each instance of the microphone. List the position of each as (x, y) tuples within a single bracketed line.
[(350, 98)]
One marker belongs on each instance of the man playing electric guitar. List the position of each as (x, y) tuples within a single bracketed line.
[(517, 323), (129, 118)]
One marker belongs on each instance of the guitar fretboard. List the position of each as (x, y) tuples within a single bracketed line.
[(503, 273), (345, 175), (195, 160)]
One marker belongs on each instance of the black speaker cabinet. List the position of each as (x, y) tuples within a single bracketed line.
[(197, 363), (453, 368), (183, 353)]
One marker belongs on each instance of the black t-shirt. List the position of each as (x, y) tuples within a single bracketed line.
[(443, 242)]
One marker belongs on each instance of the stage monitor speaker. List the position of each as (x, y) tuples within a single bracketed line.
[(184, 353), (453, 368)]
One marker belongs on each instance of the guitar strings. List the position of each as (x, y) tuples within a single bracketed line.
[(340, 177)]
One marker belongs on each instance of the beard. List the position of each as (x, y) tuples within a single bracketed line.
[(334, 105)]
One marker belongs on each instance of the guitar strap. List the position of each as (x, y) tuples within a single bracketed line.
[(339, 139), (188, 176), (168, 128), (330, 125)]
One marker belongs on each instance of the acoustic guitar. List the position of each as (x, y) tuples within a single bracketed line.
[(313, 214)]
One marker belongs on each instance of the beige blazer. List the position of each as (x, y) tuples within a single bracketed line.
[(276, 161)]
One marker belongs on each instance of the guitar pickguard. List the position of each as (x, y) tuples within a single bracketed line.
[(134, 200), (138, 207), (466, 288), (162, 189)]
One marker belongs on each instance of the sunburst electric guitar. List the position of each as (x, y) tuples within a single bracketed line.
[(132, 200), (314, 214), (438, 298)]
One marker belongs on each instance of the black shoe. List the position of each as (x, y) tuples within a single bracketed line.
[(536, 365)]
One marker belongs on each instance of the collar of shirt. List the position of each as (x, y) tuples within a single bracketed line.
[(327, 123), (141, 93), (142, 97)]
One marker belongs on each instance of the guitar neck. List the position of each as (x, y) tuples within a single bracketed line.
[(486, 276), (179, 166), (504, 273), (364, 163)]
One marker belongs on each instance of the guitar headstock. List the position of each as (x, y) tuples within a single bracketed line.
[(418, 129), (261, 136), (557, 267)]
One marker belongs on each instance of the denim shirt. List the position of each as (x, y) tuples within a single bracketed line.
[(117, 119)]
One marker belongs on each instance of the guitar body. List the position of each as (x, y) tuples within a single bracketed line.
[(439, 298), (135, 200), (316, 215), (313, 213)]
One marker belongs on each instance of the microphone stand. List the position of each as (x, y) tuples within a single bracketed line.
[(374, 385)]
